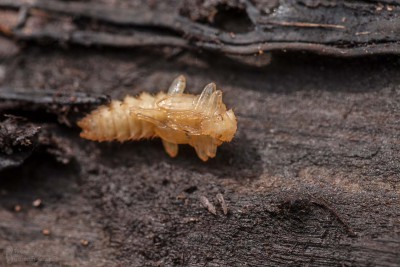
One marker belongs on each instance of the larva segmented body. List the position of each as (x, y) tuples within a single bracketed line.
[(201, 121)]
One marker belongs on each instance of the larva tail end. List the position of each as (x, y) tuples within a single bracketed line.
[(81, 123), (86, 135), (86, 132)]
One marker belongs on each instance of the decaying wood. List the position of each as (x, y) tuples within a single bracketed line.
[(341, 28), (67, 106), (19, 138), (17, 141), (311, 178)]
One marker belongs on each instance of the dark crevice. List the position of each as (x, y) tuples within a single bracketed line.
[(232, 19)]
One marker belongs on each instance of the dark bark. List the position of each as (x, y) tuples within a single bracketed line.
[(311, 178), (341, 28), (17, 141), (67, 107)]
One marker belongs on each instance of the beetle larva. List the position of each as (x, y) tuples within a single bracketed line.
[(201, 121)]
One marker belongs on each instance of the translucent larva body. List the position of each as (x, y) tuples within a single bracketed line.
[(201, 121)]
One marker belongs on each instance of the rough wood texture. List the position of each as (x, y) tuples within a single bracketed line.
[(312, 177), (17, 141), (341, 28)]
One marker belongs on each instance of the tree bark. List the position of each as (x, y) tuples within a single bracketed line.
[(340, 28), (311, 178)]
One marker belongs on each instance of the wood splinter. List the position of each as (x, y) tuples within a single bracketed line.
[(208, 205), (222, 202)]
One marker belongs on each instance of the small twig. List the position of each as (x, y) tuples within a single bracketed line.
[(324, 204), (303, 24), (47, 97), (122, 41)]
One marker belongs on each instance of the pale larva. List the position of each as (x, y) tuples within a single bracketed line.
[(201, 121)]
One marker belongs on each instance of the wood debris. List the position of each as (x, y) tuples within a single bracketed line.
[(208, 205), (222, 202)]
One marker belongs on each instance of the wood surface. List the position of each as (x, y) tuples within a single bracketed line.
[(311, 178)]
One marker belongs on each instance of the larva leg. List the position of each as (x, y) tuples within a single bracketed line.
[(170, 148), (211, 149), (205, 147), (201, 153), (177, 86)]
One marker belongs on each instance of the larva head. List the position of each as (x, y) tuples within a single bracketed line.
[(223, 126), (219, 123)]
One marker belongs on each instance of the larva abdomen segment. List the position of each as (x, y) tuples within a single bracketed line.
[(116, 122)]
